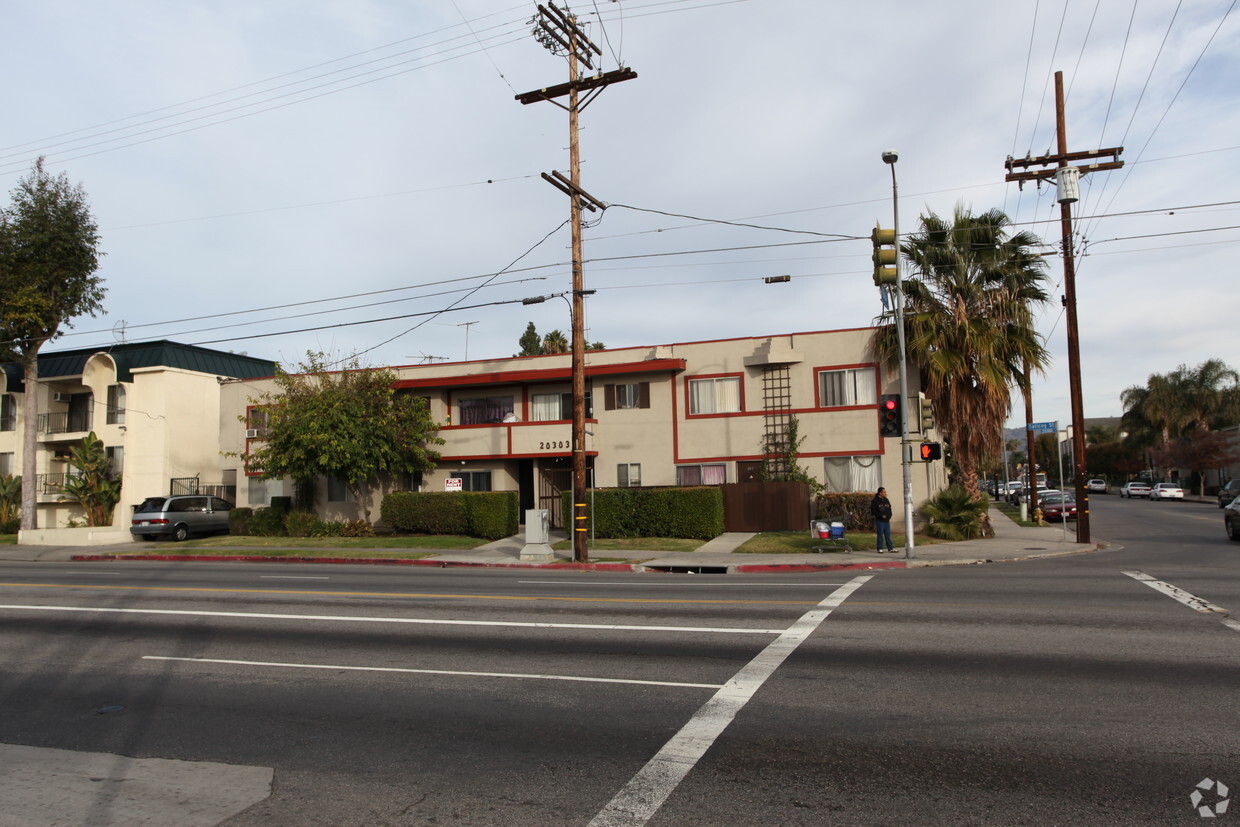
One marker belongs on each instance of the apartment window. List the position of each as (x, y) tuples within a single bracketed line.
[(701, 474), (485, 410), (629, 395), (116, 405), (853, 474), (720, 394), (409, 480), (475, 480), (628, 475), (116, 462), (550, 407), (337, 491), (257, 419), (8, 413), (852, 386), (6, 464)]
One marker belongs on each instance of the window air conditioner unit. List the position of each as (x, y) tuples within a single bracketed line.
[(252, 433), (61, 397)]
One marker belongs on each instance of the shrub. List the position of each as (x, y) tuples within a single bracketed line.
[(357, 528), (267, 522), (326, 528), (239, 520), (282, 504), (695, 512), (490, 515), (10, 526), (299, 523), (954, 515)]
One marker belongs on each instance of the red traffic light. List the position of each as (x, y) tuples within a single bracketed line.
[(889, 404)]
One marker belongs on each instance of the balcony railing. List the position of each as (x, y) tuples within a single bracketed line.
[(191, 485), (66, 422), (52, 485)]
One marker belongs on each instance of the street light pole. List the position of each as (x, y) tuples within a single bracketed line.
[(890, 157)]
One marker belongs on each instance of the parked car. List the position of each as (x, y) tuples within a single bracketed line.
[(1166, 491), (1098, 487), (1136, 488), (179, 516), (1231, 519), (1058, 507), (1229, 492)]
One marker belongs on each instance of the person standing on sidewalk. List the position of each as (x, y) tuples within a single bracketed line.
[(880, 507)]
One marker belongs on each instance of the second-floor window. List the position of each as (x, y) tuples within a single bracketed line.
[(116, 405), (850, 386), (549, 407), (627, 395), (720, 394), (8, 413), (485, 410)]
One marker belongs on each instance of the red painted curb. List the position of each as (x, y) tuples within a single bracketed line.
[(776, 568)]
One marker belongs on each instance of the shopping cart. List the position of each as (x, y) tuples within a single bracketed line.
[(828, 536)]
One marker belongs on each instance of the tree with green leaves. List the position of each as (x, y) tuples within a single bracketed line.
[(92, 487), (555, 342), (49, 251), (530, 342), (349, 424), (970, 300), (10, 503)]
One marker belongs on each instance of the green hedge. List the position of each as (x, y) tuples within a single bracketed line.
[(694, 513), (491, 515)]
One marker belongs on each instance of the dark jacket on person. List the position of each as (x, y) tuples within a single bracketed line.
[(880, 507)]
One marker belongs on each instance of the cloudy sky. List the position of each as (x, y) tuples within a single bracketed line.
[(261, 167)]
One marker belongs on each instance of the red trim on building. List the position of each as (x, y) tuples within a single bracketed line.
[(532, 377)]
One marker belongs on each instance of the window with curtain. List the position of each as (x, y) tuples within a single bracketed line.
[(701, 474), (485, 410), (6, 463), (550, 407), (337, 491), (116, 405), (721, 394), (854, 474), (851, 386), (628, 475)]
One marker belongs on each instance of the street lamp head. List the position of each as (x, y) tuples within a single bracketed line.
[(890, 156)]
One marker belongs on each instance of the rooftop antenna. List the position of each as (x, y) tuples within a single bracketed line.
[(466, 325)]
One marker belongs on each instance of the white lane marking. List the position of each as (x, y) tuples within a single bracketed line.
[(678, 584), (439, 672), (645, 793), (100, 573), (413, 620), (1176, 593), (293, 577)]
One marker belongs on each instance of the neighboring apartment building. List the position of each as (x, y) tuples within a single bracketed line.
[(155, 405), (694, 413)]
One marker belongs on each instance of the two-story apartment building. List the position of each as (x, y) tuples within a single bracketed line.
[(676, 414)]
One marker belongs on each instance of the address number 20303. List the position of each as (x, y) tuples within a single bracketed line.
[(553, 445)]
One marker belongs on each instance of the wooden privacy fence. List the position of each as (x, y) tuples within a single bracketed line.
[(766, 506)]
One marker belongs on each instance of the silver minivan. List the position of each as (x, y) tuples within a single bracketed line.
[(179, 516)]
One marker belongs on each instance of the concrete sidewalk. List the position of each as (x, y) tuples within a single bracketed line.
[(1011, 542)]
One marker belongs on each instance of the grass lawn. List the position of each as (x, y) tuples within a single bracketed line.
[(799, 542), (10, 539), (636, 544)]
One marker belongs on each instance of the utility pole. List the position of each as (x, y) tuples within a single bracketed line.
[(1067, 188), (559, 33)]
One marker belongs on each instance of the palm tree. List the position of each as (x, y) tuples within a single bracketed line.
[(969, 325), (554, 342)]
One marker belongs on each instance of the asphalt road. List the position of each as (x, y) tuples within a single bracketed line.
[(1095, 689)]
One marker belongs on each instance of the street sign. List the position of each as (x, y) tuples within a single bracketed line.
[(1044, 427)]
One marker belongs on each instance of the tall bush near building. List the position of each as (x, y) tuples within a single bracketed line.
[(349, 424), (92, 486), (49, 251), (10, 503)]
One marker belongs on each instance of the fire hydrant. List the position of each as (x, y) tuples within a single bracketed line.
[(1037, 517)]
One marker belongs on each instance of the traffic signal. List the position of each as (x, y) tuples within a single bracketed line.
[(885, 253), (930, 451), (890, 415), (927, 415)]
